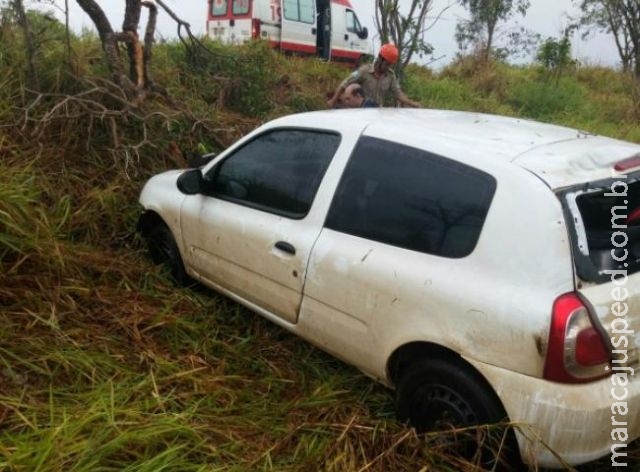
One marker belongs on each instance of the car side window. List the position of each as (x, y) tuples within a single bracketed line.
[(278, 172), (412, 199)]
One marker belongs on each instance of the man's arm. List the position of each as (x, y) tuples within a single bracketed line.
[(331, 103), (402, 98)]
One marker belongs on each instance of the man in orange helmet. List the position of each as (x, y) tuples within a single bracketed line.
[(377, 80)]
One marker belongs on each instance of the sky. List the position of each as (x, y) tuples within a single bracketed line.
[(546, 17)]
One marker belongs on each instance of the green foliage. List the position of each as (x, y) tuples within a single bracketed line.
[(555, 55), (49, 41), (621, 19), (239, 76), (443, 93), (546, 102), (480, 30), (604, 80), (18, 194)]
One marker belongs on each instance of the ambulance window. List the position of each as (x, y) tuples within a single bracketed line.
[(299, 10), (219, 7), (240, 7), (353, 25)]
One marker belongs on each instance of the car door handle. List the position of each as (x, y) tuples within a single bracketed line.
[(346, 37), (286, 247)]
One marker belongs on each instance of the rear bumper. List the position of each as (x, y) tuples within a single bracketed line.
[(570, 423)]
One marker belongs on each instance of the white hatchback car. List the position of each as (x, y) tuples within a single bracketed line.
[(484, 267)]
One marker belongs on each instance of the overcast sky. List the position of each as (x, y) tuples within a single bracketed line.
[(546, 17)]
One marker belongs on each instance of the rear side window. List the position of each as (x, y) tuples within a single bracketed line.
[(605, 220), (277, 172), (219, 8), (412, 199)]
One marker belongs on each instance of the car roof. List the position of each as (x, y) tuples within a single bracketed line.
[(559, 155)]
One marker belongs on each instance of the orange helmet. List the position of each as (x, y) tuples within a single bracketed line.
[(389, 53)]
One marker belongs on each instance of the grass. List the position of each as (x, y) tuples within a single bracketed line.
[(115, 369), (104, 365)]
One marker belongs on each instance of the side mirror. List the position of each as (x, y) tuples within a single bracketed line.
[(191, 182), (363, 33), (195, 159)]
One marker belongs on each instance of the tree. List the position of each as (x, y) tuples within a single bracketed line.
[(555, 54), (35, 27), (23, 22), (137, 81), (620, 18), (406, 31), (481, 28)]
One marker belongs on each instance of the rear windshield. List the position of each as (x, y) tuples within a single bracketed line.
[(605, 227)]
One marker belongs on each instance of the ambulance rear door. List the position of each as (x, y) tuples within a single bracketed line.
[(230, 21)]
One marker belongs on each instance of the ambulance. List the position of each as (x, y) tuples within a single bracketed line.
[(326, 28)]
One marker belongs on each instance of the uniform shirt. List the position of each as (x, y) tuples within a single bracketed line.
[(375, 88)]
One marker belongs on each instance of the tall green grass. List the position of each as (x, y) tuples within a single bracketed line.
[(546, 101)]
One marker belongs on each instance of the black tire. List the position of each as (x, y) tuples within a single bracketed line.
[(164, 250), (445, 395)]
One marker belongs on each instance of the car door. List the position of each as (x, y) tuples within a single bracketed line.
[(401, 225), (251, 233)]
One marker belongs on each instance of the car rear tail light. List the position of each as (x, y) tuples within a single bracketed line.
[(576, 352), (629, 163), (255, 28)]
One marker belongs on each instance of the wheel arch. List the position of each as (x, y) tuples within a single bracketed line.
[(406, 355), (149, 220), (403, 356)]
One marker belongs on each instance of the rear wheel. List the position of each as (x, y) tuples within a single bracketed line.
[(164, 250), (441, 395)]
